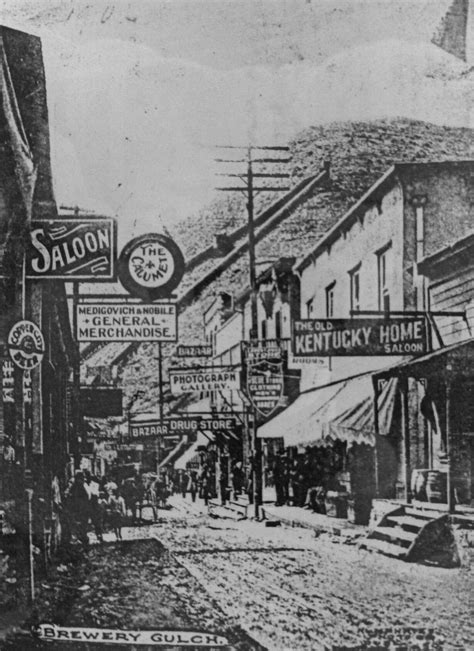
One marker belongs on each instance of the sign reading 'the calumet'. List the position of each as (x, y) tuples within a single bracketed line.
[(72, 249), (340, 337)]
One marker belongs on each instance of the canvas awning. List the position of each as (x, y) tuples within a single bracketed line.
[(192, 453), (178, 448), (341, 411), (456, 359)]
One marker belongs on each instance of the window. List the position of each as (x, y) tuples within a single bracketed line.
[(354, 276), (330, 300), (384, 267), (278, 324), (309, 308), (264, 329)]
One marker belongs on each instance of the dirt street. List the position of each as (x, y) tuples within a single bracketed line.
[(281, 588)]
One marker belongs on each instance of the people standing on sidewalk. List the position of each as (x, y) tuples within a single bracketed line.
[(193, 485), (281, 478), (297, 477), (91, 484), (183, 482), (78, 509), (237, 478)]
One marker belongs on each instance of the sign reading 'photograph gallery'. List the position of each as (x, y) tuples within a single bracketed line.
[(126, 322), (338, 337), (72, 249), (217, 378)]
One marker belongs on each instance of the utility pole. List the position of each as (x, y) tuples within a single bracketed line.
[(160, 385), (250, 190)]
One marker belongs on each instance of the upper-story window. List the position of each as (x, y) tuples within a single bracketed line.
[(384, 269), (354, 276), (330, 291), (309, 308), (278, 324), (263, 329)]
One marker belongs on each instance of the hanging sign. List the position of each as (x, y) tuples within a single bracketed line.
[(313, 363), (8, 381), (341, 337), (263, 361), (72, 249), (126, 322), (151, 266), (101, 402), (26, 345), (194, 351), (170, 427), (216, 378)]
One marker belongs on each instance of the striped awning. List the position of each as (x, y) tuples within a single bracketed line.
[(341, 411)]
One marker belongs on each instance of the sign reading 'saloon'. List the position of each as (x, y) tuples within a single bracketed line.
[(126, 322), (391, 336), (72, 249), (217, 378)]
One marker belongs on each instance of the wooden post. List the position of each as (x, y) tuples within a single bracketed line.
[(449, 488), (406, 437), (376, 434)]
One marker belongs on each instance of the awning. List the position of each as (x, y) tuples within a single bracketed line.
[(456, 359), (341, 411), (191, 455), (173, 454)]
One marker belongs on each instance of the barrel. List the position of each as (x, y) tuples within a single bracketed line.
[(436, 486)]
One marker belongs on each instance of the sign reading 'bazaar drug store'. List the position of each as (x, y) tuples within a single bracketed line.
[(341, 337), (72, 249)]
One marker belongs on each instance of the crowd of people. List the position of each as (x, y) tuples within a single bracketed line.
[(107, 504), (304, 479)]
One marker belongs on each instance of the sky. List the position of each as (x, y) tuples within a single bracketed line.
[(140, 92)]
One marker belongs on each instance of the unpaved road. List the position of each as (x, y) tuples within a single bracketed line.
[(278, 587)]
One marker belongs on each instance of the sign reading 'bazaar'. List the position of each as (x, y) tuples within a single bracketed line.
[(338, 337), (194, 351), (264, 382), (126, 322), (172, 426), (72, 249), (217, 378)]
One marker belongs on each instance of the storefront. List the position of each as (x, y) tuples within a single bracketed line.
[(437, 418), (333, 428)]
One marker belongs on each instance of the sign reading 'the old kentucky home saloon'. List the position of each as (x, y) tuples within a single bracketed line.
[(391, 336), (72, 249)]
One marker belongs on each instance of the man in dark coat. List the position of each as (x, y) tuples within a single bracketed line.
[(280, 478)]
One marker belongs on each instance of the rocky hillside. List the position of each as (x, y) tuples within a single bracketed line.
[(359, 152)]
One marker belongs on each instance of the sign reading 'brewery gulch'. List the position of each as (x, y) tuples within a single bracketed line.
[(263, 382), (337, 337), (72, 249), (217, 378), (126, 322), (194, 351), (173, 426)]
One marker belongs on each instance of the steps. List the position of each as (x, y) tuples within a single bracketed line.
[(413, 534), (235, 509)]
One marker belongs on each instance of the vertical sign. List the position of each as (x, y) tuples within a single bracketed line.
[(263, 377)]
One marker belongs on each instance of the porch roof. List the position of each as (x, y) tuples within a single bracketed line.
[(454, 360)]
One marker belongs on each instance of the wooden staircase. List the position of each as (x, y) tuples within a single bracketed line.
[(234, 509), (416, 535)]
